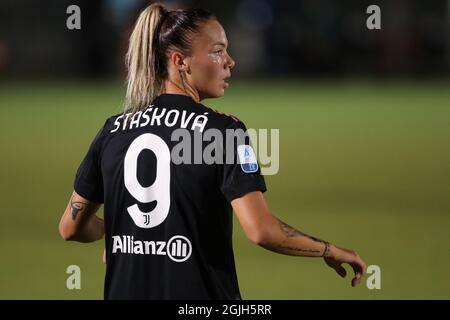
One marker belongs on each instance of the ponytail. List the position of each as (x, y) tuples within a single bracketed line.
[(156, 32), (143, 81)]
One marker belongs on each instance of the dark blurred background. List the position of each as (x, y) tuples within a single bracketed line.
[(267, 37)]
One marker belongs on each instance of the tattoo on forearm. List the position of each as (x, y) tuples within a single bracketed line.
[(291, 232), (76, 206), (299, 249)]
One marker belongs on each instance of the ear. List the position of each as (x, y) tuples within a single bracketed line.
[(181, 62)]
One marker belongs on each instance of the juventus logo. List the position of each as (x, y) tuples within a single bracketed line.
[(146, 219)]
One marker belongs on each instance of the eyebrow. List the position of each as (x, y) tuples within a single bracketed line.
[(219, 43)]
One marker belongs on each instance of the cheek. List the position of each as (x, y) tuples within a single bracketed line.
[(207, 74), (209, 68), (215, 59)]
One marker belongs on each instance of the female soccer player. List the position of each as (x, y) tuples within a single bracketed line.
[(168, 218)]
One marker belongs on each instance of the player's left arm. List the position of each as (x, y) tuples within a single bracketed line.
[(271, 233), (79, 222)]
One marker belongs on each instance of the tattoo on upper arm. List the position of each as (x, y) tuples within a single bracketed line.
[(76, 206)]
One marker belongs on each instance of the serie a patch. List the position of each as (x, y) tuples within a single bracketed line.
[(247, 158)]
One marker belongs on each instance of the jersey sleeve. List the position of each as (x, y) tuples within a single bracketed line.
[(88, 179), (240, 172)]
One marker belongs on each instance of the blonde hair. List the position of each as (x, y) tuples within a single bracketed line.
[(143, 80), (155, 33)]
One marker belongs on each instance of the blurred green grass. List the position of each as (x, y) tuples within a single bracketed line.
[(364, 164)]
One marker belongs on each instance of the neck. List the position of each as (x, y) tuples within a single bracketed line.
[(173, 87)]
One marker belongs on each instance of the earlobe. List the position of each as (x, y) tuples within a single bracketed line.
[(187, 65), (184, 69), (182, 64)]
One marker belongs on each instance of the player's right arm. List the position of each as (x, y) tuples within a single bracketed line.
[(79, 221), (264, 229)]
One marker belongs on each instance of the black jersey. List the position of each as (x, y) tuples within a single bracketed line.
[(168, 224)]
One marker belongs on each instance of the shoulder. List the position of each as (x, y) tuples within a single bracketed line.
[(220, 119), (102, 132), (109, 122), (113, 121)]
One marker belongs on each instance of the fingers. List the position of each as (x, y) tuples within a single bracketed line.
[(353, 259), (357, 278), (359, 268), (341, 271), (355, 281)]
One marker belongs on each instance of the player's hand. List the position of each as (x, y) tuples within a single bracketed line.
[(104, 256), (338, 256)]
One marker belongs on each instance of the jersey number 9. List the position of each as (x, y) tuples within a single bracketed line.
[(159, 191)]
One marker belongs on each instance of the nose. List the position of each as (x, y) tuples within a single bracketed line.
[(231, 63)]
